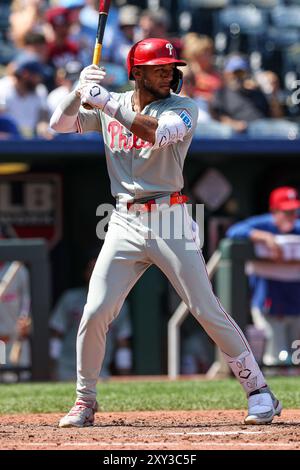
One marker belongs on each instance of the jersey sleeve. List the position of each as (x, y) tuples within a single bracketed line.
[(187, 110), (88, 121)]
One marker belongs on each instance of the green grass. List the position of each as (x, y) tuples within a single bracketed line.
[(129, 396)]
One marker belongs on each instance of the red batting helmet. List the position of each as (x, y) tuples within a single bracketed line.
[(152, 51)]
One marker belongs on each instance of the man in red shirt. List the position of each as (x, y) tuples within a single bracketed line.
[(60, 50)]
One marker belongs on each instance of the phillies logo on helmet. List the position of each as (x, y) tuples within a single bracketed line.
[(170, 47), (95, 91)]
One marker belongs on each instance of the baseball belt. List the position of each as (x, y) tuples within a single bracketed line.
[(151, 204)]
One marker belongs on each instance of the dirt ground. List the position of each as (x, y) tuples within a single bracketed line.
[(165, 430)]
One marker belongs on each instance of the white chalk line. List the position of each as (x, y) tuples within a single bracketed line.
[(155, 444), (216, 433)]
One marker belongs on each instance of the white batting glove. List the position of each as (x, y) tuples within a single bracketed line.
[(98, 97), (90, 74)]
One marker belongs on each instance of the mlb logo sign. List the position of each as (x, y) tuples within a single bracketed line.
[(186, 119)]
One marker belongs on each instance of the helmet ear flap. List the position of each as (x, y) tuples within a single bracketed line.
[(177, 81)]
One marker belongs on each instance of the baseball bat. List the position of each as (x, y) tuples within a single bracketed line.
[(104, 6), (9, 277)]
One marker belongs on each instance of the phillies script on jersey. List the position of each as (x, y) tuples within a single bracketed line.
[(122, 139)]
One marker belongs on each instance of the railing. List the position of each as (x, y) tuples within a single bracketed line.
[(178, 318)]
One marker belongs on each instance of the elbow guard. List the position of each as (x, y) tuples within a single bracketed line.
[(171, 129)]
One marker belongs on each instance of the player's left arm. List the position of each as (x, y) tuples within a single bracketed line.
[(176, 124)]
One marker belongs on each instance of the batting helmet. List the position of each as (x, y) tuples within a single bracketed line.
[(152, 51)]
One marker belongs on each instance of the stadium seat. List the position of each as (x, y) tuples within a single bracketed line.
[(4, 17), (193, 4), (282, 38), (286, 17), (292, 2), (213, 130), (262, 4), (199, 15), (7, 52), (249, 19), (244, 27), (273, 128)]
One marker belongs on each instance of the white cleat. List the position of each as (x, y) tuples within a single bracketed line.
[(81, 415), (262, 407)]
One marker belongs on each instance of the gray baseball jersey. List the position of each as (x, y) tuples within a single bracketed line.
[(135, 169)]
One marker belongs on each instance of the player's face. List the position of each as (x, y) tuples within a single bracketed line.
[(156, 79), (285, 220)]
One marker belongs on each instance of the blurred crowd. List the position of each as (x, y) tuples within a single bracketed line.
[(44, 44)]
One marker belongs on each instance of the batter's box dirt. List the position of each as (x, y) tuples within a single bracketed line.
[(165, 430)]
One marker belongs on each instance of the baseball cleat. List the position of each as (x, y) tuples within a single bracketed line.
[(81, 415), (262, 407)]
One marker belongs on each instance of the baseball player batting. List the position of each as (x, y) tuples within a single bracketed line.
[(147, 133)]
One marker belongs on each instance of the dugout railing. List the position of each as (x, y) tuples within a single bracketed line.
[(231, 286)]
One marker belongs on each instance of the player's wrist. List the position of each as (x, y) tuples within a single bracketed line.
[(111, 107), (124, 115)]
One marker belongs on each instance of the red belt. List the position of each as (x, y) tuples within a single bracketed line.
[(175, 198)]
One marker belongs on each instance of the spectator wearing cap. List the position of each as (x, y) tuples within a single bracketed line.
[(275, 301), (127, 23), (198, 50), (240, 100), (23, 100), (61, 49), (156, 24)]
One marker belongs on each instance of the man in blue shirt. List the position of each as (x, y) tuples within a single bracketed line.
[(275, 303)]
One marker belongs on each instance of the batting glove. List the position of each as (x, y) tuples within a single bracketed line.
[(90, 74), (98, 97)]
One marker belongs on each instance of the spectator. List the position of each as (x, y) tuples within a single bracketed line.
[(199, 53), (64, 327), (60, 50), (154, 24), (35, 45), (270, 85), (88, 20), (127, 22), (275, 302), (23, 100), (26, 16), (65, 79), (189, 89), (239, 101)]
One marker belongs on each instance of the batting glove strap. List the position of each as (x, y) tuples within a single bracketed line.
[(111, 107)]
